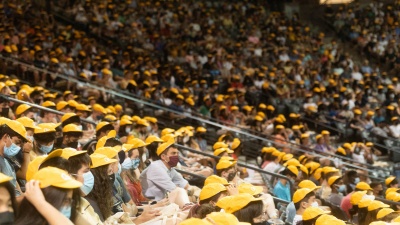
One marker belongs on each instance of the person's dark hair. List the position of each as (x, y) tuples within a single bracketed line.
[(4, 129), (72, 119), (390, 217), (76, 162), (310, 222), (152, 148), (371, 216), (10, 188), (45, 137), (249, 212), (58, 162), (44, 112), (287, 172), (336, 181), (305, 199), (212, 198), (394, 182), (54, 196), (374, 184), (73, 134), (362, 214), (219, 172), (102, 190), (203, 210), (104, 129)]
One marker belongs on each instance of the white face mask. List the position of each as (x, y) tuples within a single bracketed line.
[(128, 130), (314, 204), (80, 127)]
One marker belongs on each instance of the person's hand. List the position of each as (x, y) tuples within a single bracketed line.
[(232, 190), (147, 214), (28, 146), (33, 193)]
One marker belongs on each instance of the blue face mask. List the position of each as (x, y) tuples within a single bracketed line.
[(127, 164), (342, 188), (46, 149), (12, 150), (357, 180), (135, 163), (88, 183), (66, 211)]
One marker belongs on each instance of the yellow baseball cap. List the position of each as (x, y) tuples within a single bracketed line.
[(268, 149), (235, 143), (384, 212), (333, 179), (328, 219), (391, 196), (221, 150), (83, 107), (389, 180), (110, 152), (21, 109), (137, 143), (162, 147), (46, 128), (363, 186), (98, 108), (224, 164), (377, 205), (234, 203), (292, 162), (356, 197), (125, 122), (305, 135), (396, 220), (317, 173), (293, 169), (341, 150), (215, 179), (201, 130), (219, 144), (312, 212), (167, 131), (100, 160), (48, 104), (286, 157), (101, 125), (308, 184), (150, 139), (300, 194), (61, 105), (34, 165), (250, 189), (4, 178), (142, 122), (210, 190), (69, 152), (27, 122), (329, 169), (196, 221), (222, 218), (364, 202), (391, 190), (51, 176), (67, 116), (17, 127), (325, 132), (71, 128)]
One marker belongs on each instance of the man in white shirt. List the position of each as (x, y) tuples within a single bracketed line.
[(274, 165)]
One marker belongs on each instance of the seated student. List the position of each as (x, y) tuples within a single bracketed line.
[(302, 199), (71, 134), (102, 130), (291, 209), (273, 165), (160, 177), (153, 143), (12, 134), (337, 187), (373, 209), (44, 137), (57, 187), (282, 187), (311, 214), (269, 210), (208, 198), (244, 206), (355, 199), (387, 215), (121, 200), (100, 198), (345, 204), (226, 168)]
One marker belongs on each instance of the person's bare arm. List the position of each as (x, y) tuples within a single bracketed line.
[(35, 196)]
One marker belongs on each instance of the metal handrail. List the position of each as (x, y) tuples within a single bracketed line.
[(41, 107), (242, 165), (128, 96), (190, 173)]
